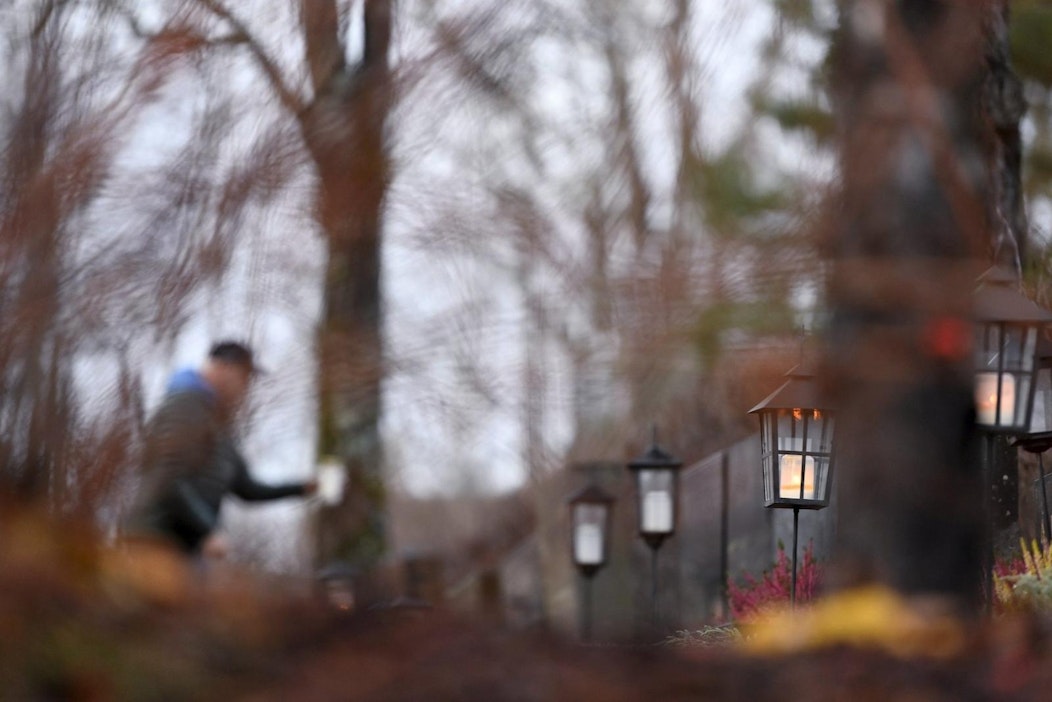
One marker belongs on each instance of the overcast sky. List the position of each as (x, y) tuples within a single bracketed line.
[(442, 309)]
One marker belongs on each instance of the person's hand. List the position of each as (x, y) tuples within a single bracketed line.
[(215, 547)]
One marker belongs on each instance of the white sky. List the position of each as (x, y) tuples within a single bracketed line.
[(445, 309), (730, 33)]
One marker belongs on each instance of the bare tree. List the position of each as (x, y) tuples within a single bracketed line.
[(636, 243), (339, 112), (72, 294)]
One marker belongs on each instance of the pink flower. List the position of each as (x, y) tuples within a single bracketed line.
[(754, 596)]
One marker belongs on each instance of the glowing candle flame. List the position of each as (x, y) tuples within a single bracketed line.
[(794, 477), (986, 399)]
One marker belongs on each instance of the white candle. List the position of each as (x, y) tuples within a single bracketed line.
[(793, 477), (986, 399), (588, 546), (657, 512)]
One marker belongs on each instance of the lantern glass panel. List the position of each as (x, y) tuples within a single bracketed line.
[(797, 447), (821, 477), (1005, 364), (799, 432), (790, 430), (796, 477), (656, 505), (988, 390), (765, 434), (768, 427), (1018, 401), (988, 347), (822, 429), (1020, 345), (589, 533), (1041, 415)]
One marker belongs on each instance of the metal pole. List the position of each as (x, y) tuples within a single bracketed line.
[(988, 525), (586, 615), (1046, 527), (796, 528), (724, 529), (654, 588)]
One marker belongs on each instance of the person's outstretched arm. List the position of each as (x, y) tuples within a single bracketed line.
[(247, 488)]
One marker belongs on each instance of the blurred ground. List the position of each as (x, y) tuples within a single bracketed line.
[(80, 622)]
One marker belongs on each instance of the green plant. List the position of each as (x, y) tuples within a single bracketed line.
[(706, 637)]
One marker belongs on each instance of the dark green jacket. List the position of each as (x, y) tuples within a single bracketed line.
[(190, 464)]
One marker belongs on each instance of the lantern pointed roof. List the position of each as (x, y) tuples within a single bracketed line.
[(999, 299), (655, 457), (591, 493), (799, 391)]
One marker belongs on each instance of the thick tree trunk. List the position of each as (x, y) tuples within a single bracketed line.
[(1004, 105), (344, 131), (912, 223)]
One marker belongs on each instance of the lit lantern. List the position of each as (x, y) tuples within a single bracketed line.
[(796, 437), (657, 491), (590, 518), (1006, 353), (796, 444), (657, 485)]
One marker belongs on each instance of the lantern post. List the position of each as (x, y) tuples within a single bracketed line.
[(657, 495), (590, 524), (796, 445)]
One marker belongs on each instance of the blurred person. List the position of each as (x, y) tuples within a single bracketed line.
[(191, 460)]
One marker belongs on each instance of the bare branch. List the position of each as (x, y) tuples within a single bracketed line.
[(377, 33), (321, 28), (288, 97)]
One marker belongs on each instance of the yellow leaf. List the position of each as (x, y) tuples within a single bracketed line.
[(870, 617)]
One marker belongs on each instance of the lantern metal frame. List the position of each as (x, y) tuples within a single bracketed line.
[(1006, 336), (796, 427), (656, 465), (1038, 437), (796, 404), (590, 497)]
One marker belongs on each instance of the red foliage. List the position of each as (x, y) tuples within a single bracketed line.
[(754, 596), (1016, 566)]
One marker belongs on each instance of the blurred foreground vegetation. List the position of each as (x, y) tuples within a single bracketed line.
[(79, 621)]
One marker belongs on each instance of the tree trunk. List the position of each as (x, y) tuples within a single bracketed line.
[(911, 225), (344, 132), (1004, 104)]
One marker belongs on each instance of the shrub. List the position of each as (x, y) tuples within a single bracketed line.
[(772, 589), (1026, 582), (706, 637)]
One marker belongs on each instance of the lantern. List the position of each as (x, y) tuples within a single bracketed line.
[(796, 440), (1007, 326), (657, 488)]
